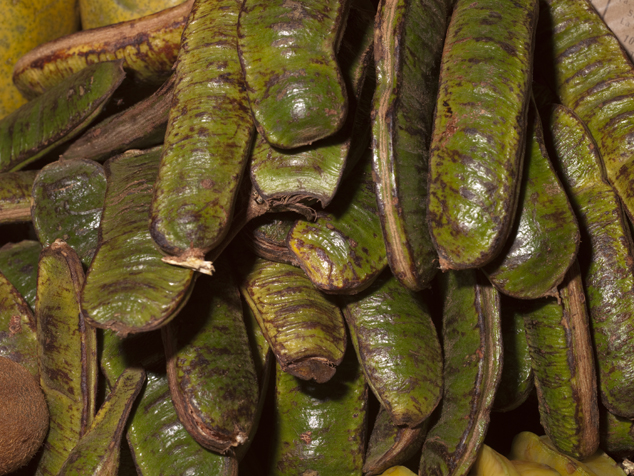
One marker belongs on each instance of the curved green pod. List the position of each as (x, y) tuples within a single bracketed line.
[(343, 251), (315, 432), (391, 445), (18, 339), (128, 288), (593, 75), (67, 354), (398, 349), (97, 453), (409, 38), (211, 372), (287, 52), (68, 199), (616, 434), (478, 139), (304, 329), (545, 239), (57, 115), (315, 171), (18, 262), (517, 372), (266, 236), (606, 256), (472, 343), (560, 345), (208, 138), (15, 196)]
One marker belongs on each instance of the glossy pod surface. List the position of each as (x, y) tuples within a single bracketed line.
[(18, 262)]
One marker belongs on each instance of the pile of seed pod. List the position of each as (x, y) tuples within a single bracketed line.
[(299, 212)]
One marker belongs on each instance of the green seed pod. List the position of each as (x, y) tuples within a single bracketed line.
[(606, 257), (343, 250), (208, 137), (329, 439), (409, 37), (287, 51), (29, 132), (128, 288), (140, 126), (266, 236), (616, 434), (472, 343), (315, 171), (517, 382), (305, 331), (18, 262), (97, 453), (391, 445), (18, 340), (68, 198), (15, 196), (398, 348), (560, 345), (476, 158), (545, 238), (212, 376), (67, 354)]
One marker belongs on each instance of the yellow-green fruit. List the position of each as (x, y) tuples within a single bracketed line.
[(530, 468), (25, 25), (491, 463), (398, 471), (23, 416), (96, 13)]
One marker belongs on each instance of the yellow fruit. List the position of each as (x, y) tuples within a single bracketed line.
[(530, 468), (603, 465), (398, 471), (25, 25), (491, 463), (96, 13)]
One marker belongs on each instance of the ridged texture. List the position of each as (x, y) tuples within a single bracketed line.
[(616, 434), (409, 37), (15, 196), (545, 238), (287, 52), (265, 236), (479, 129), (472, 343), (209, 134), (398, 348), (304, 329), (67, 354), (18, 262), (57, 116), (606, 257), (342, 250), (128, 288)]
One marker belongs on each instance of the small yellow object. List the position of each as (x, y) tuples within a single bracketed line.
[(603, 465), (491, 463), (398, 471), (530, 468), (25, 25), (96, 13)]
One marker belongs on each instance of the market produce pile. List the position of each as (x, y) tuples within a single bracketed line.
[(281, 237)]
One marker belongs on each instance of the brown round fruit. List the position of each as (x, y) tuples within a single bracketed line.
[(23, 416)]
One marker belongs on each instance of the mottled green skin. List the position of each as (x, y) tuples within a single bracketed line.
[(287, 51), (343, 251), (409, 37), (391, 445), (593, 75), (305, 330), (616, 434), (564, 370), (97, 453), (15, 196), (212, 375), (479, 129), (209, 134), (18, 340), (605, 257), (315, 171), (266, 236), (128, 288), (18, 262), (68, 199), (57, 115), (545, 239), (398, 348), (472, 344), (320, 429), (67, 354), (517, 372)]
